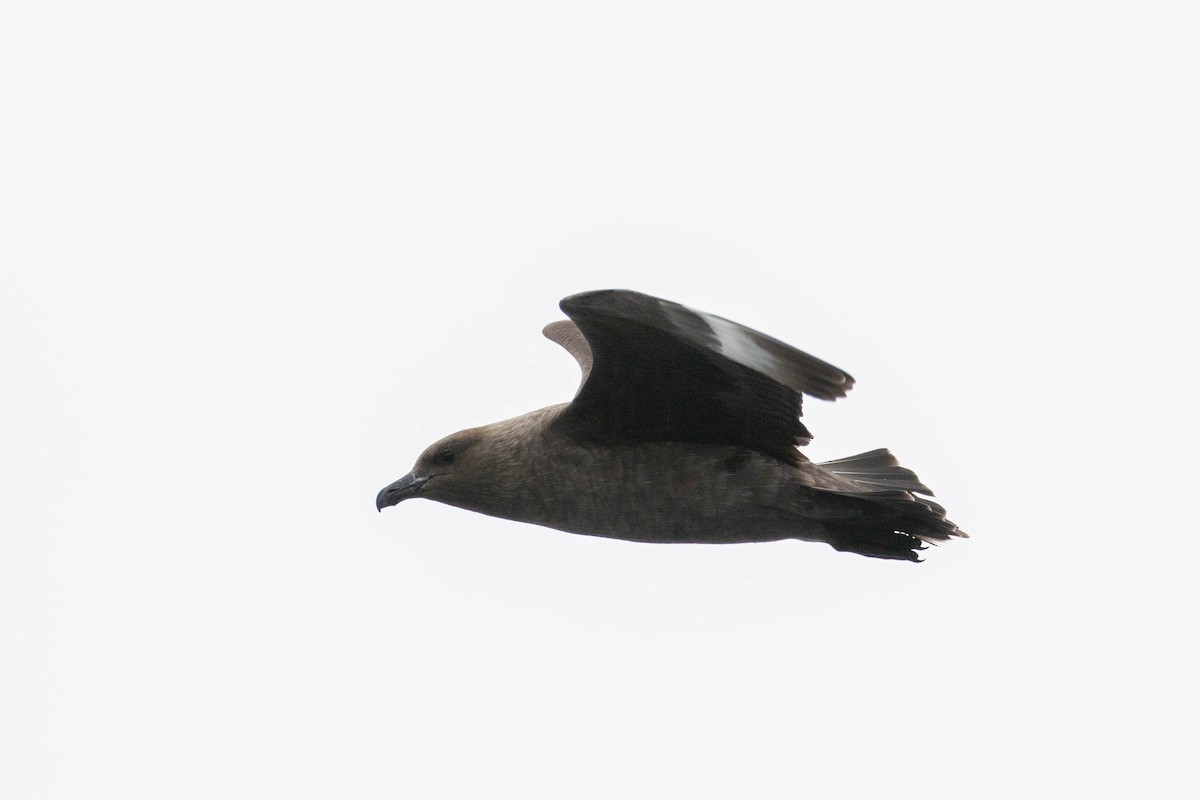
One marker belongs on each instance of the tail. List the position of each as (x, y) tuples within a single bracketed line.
[(885, 518)]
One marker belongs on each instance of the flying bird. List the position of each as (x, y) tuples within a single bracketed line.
[(684, 428)]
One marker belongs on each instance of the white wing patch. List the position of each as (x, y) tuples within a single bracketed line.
[(737, 345)]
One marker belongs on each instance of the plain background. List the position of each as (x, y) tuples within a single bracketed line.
[(257, 255)]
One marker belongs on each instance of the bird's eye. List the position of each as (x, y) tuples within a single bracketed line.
[(447, 456)]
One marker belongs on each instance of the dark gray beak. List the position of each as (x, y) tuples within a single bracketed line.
[(406, 487)]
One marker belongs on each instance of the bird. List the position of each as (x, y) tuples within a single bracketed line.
[(685, 428)]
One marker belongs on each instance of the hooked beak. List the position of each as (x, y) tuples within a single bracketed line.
[(393, 493)]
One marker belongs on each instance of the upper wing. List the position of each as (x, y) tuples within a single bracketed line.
[(663, 372), (567, 334)]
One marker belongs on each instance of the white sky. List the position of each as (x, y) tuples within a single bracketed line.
[(254, 256)]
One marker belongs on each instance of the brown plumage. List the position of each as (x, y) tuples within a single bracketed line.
[(684, 429)]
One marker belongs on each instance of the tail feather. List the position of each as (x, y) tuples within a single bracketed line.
[(877, 468), (887, 519)]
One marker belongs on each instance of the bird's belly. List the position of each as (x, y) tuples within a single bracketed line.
[(675, 525), (721, 496)]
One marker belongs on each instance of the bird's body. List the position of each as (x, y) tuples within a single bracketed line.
[(704, 494), (678, 438)]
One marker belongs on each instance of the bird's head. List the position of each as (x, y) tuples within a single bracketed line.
[(444, 471)]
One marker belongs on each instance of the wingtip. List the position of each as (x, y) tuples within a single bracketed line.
[(552, 328)]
